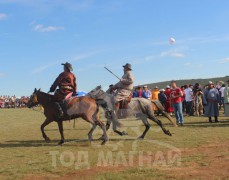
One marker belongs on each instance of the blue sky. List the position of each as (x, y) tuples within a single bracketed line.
[(36, 36)]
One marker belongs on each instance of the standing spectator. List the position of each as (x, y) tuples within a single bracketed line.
[(217, 86), (168, 105), (221, 94), (162, 98), (183, 98), (176, 95), (198, 99), (140, 91), (135, 93), (146, 93), (226, 99), (188, 100), (155, 93), (210, 100)]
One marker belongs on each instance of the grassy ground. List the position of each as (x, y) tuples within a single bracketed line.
[(198, 145)]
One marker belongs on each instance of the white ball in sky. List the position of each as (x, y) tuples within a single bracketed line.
[(171, 40)]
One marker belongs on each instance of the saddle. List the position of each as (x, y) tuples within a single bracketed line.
[(122, 106), (63, 104)]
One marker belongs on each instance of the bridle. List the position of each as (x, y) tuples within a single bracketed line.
[(33, 100), (97, 95)]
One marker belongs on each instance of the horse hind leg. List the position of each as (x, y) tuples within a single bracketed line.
[(103, 127), (61, 130), (159, 123), (91, 132)]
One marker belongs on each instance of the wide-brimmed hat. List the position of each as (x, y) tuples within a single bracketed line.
[(68, 65), (167, 86), (162, 90), (156, 87), (210, 82), (145, 86), (127, 65)]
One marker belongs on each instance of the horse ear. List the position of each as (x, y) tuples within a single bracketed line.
[(35, 90), (39, 89)]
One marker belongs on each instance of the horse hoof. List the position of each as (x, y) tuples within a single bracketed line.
[(104, 142), (124, 133), (168, 133), (90, 140), (61, 142), (140, 138), (101, 138), (47, 140)]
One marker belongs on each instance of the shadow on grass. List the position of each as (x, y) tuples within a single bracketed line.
[(221, 123), (54, 143), (69, 129)]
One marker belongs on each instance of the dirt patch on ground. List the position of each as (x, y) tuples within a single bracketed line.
[(204, 162)]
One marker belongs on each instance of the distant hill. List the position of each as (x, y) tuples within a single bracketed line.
[(187, 81)]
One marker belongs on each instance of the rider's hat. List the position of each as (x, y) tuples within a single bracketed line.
[(127, 65), (68, 65)]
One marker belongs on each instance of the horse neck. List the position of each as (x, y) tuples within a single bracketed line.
[(43, 98)]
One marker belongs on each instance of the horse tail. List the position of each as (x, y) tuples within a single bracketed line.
[(162, 109)]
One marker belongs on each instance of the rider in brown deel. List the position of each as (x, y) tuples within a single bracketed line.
[(124, 86), (66, 81)]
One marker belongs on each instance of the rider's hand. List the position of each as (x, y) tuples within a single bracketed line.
[(51, 90)]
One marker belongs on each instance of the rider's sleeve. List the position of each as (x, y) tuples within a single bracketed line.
[(56, 82), (75, 85), (128, 80)]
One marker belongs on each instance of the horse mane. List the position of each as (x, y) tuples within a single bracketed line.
[(46, 94)]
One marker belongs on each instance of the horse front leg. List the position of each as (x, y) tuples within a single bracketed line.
[(147, 126), (61, 130), (45, 123), (114, 125), (103, 127)]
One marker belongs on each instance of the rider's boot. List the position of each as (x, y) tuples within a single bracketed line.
[(60, 112)]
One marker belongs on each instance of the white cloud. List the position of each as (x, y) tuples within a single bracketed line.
[(42, 28), (70, 5), (172, 54), (40, 69), (3, 16), (150, 58), (84, 55), (2, 74), (225, 60), (187, 64)]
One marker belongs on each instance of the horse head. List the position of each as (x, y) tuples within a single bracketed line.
[(95, 93), (33, 101)]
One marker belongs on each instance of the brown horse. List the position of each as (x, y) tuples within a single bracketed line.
[(83, 107)]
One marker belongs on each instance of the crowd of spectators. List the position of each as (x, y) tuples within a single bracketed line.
[(195, 100), (13, 101)]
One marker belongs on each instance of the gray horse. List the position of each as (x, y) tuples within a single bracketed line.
[(139, 107)]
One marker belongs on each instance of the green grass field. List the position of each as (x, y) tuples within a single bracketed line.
[(198, 150)]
